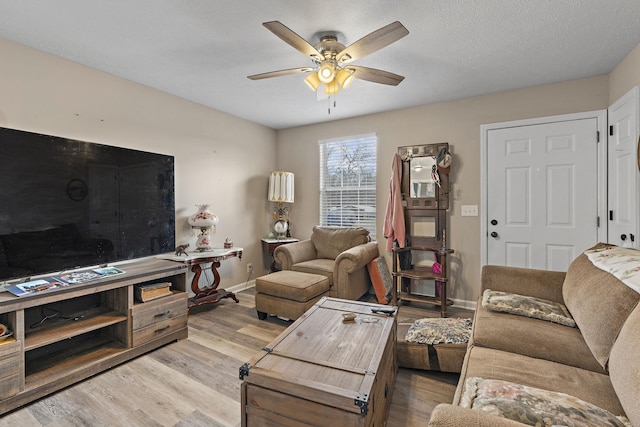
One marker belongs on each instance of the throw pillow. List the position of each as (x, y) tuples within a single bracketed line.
[(381, 279), (534, 406), (527, 306), (447, 330)]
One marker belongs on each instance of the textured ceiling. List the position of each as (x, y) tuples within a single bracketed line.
[(202, 50)]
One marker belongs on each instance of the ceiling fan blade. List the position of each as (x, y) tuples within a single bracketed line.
[(280, 73), (293, 39), (375, 75), (372, 42)]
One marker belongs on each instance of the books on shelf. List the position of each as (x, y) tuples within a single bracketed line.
[(152, 291)]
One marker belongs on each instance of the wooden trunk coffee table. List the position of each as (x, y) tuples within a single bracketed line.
[(323, 370)]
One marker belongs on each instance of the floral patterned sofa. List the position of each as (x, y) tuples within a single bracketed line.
[(526, 364)]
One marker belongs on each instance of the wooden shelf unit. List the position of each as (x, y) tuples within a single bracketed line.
[(68, 334), (421, 273), (425, 188)]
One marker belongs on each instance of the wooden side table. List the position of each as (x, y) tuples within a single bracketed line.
[(209, 293), (270, 245)]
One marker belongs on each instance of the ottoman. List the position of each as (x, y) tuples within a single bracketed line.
[(288, 293), (437, 344)]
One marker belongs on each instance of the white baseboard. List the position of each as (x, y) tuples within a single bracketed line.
[(242, 286), (461, 303)]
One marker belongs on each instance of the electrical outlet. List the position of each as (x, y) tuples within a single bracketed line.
[(249, 268)]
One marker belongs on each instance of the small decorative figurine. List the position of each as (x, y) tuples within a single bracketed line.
[(182, 249)]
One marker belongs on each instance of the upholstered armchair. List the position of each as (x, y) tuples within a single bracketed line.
[(341, 254)]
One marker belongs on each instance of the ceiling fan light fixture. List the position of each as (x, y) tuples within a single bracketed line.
[(313, 81), (327, 72), (331, 88), (345, 78)]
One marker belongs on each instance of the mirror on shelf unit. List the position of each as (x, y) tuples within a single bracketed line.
[(425, 185), (420, 173)]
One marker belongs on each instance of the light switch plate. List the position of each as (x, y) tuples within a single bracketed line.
[(469, 210)]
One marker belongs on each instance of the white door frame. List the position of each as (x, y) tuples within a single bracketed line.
[(599, 115)]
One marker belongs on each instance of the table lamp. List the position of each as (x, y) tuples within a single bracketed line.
[(281, 189), (205, 221)]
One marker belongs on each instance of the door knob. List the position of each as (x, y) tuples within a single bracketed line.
[(623, 237), (494, 222), (494, 234)]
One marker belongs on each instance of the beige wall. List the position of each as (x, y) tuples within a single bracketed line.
[(625, 75), (45, 94), (457, 122)]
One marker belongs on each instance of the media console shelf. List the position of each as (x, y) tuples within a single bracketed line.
[(65, 335)]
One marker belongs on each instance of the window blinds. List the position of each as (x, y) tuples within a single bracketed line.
[(348, 182)]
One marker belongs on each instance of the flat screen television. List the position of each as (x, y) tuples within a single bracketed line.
[(67, 204)]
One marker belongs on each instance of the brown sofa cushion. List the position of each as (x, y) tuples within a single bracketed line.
[(292, 285), (587, 385), (524, 281), (532, 337), (332, 241), (316, 266), (599, 303)]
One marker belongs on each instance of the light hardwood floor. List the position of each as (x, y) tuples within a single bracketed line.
[(194, 382)]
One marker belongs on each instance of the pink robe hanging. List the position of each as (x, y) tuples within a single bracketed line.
[(394, 227)]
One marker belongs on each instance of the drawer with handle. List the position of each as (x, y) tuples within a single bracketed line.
[(153, 312), (10, 357), (160, 329)]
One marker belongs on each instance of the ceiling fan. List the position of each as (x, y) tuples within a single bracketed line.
[(332, 59)]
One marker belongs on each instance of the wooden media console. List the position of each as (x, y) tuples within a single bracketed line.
[(65, 335)]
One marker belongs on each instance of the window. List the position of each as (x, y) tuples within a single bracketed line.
[(348, 182)]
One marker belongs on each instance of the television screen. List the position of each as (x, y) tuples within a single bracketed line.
[(67, 204)]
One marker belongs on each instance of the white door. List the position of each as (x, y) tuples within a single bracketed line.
[(623, 171), (542, 193)]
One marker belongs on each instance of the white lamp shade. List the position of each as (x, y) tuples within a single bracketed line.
[(281, 187), (203, 217)]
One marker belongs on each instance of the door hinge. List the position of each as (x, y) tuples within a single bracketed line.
[(611, 130), (597, 136), (610, 215), (598, 221)]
